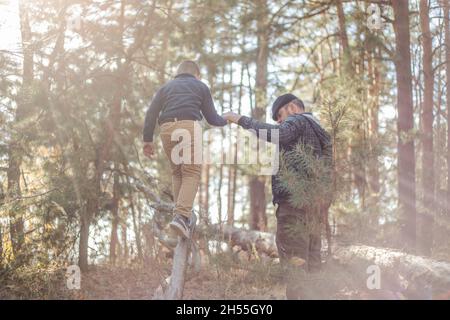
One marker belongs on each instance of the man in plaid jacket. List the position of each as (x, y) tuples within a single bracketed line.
[(296, 236)]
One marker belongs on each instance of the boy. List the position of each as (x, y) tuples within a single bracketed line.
[(179, 105)]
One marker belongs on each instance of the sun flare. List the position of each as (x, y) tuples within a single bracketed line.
[(9, 25)]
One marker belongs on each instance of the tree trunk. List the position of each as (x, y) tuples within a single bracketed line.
[(85, 222), (114, 238), (426, 225), (441, 133), (405, 125), (14, 149), (105, 144), (137, 230), (447, 72), (356, 172), (114, 218), (124, 229), (220, 166), (231, 191), (230, 150), (373, 171), (1, 247), (348, 65), (234, 166), (204, 186), (164, 48), (258, 218)]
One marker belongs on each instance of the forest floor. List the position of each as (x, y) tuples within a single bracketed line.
[(218, 280), (113, 283)]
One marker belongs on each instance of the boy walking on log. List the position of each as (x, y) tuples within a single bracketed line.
[(178, 106)]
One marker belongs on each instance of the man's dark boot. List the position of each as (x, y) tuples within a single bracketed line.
[(293, 292)]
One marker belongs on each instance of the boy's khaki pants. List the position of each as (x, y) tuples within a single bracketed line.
[(182, 143)]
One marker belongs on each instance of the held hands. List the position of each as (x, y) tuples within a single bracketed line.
[(149, 149), (231, 117)]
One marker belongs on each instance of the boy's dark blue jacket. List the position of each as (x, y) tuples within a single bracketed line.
[(185, 97)]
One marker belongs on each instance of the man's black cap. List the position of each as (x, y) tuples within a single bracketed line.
[(280, 102)]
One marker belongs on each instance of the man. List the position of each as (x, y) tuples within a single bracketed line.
[(297, 233), (179, 105)]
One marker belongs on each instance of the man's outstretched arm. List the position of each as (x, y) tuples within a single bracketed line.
[(287, 130)]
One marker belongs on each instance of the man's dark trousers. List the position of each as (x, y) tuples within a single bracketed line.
[(298, 235)]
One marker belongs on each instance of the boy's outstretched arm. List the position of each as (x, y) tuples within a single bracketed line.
[(209, 111), (150, 122)]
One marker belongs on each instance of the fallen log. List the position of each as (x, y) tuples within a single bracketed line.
[(414, 276), (173, 286), (409, 266), (176, 283), (157, 203), (249, 240), (420, 273)]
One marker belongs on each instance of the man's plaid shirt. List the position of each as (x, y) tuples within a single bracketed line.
[(295, 129)]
